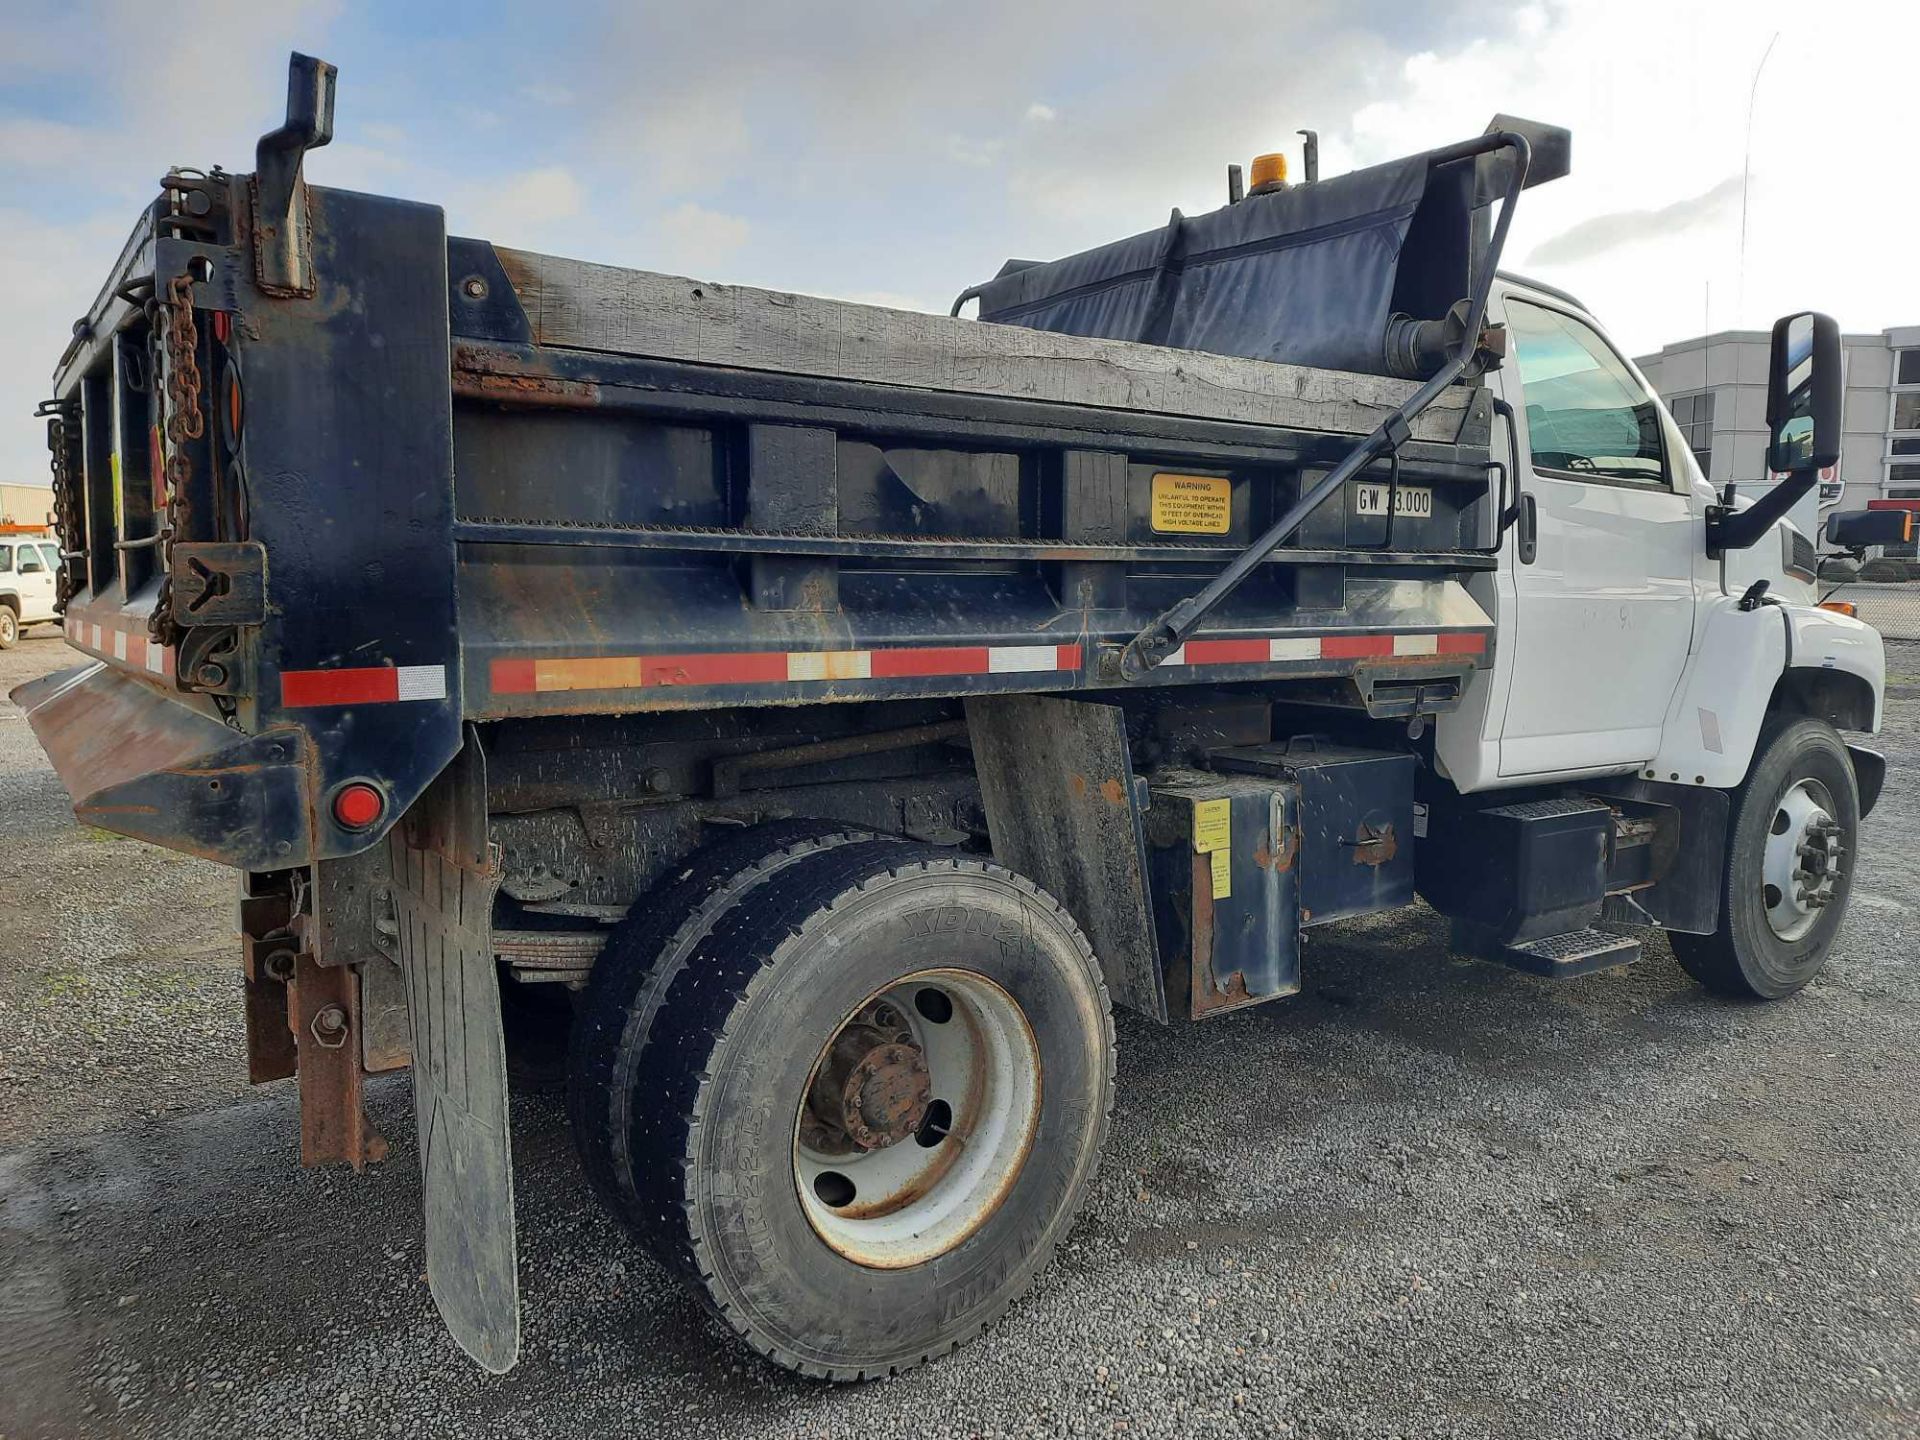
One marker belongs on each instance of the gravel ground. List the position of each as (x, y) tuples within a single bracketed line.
[(1428, 1197), (117, 980)]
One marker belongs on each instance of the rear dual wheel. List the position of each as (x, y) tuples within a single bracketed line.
[(868, 1105)]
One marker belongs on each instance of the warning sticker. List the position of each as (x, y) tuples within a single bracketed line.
[(1192, 504), (1221, 862), (1212, 825)]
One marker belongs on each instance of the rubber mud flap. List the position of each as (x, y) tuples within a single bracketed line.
[(444, 879)]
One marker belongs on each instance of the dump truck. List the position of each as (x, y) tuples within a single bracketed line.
[(796, 726)]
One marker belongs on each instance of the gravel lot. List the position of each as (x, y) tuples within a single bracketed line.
[(1429, 1197)]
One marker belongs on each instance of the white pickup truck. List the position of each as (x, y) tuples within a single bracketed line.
[(27, 570)]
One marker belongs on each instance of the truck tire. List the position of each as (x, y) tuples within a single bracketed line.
[(1790, 851), (884, 1085), (643, 956), (9, 627)]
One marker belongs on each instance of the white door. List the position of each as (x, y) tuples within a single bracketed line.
[(1604, 614), (31, 577)]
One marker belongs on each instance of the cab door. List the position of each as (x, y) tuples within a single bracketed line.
[(1604, 613), (33, 578)]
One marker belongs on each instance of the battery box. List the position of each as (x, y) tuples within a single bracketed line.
[(1220, 868), (1273, 839), (1356, 821)]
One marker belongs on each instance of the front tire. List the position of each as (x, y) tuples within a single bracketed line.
[(1791, 846), (9, 627), (881, 1092)]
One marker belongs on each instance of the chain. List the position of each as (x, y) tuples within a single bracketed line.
[(184, 425), (67, 522)]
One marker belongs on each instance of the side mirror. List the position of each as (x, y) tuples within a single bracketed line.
[(1855, 530), (1803, 394)]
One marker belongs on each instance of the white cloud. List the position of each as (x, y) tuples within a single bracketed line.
[(531, 209), (891, 300), (57, 270), (1656, 96), (552, 193), (1599, 235), (29, 143), (1042, 114), (694, 239), (978, 154)]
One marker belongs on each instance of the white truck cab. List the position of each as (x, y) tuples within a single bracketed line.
[(1623, 647), (27, 569), (1631, 645)]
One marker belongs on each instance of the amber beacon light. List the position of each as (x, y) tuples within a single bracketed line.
[(1267, 170)]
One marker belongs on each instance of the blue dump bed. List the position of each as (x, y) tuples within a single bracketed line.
[(334, 486)]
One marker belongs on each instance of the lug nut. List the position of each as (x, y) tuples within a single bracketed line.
[(329, 1027)]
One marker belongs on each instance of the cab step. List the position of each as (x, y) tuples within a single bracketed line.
[(1577, 952)]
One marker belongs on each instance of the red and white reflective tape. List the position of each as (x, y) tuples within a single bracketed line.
[(121, 638), (362, 685), (635, 672), (1258, 651)]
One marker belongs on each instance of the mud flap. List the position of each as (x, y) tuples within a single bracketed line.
[(1057, 783), (444, 879)]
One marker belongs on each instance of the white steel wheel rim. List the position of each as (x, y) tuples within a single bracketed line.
[(1801, 862), (917, 1197)]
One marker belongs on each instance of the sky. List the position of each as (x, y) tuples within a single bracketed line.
[(897, 152)]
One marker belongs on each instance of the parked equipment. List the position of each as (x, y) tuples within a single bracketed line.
[(793, 725)]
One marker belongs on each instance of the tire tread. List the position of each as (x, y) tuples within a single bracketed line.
[(738, 959)]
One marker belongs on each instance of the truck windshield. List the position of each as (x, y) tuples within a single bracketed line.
[(1586, 414)]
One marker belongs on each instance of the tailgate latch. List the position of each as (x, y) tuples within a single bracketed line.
[(220, 583)]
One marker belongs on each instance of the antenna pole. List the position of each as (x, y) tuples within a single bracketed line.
[(1746, 175)]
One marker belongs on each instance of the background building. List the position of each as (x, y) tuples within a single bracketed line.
[(25, 504), (1716, 387)]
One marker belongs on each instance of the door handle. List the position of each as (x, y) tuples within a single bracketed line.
[(1527, 542)]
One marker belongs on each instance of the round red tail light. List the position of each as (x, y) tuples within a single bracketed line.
[(357, 805)]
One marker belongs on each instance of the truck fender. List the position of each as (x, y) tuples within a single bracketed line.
[(1836, 667), (1747, 663)]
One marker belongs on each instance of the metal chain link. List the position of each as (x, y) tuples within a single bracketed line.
[(184, 424), (68, 523)]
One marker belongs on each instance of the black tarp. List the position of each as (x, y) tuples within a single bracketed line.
[(1309, 275)]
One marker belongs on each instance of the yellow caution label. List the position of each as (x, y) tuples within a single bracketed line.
[(1222, 862), (119, 500), (1212, 825), (1192, 504)]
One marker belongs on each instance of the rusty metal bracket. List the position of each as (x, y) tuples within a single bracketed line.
[(325, 1016), (282, 226), (220, 583), (267, 948)]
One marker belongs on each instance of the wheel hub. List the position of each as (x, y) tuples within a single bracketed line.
[(945, 1060), (873, 1090), (1802, 863)]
